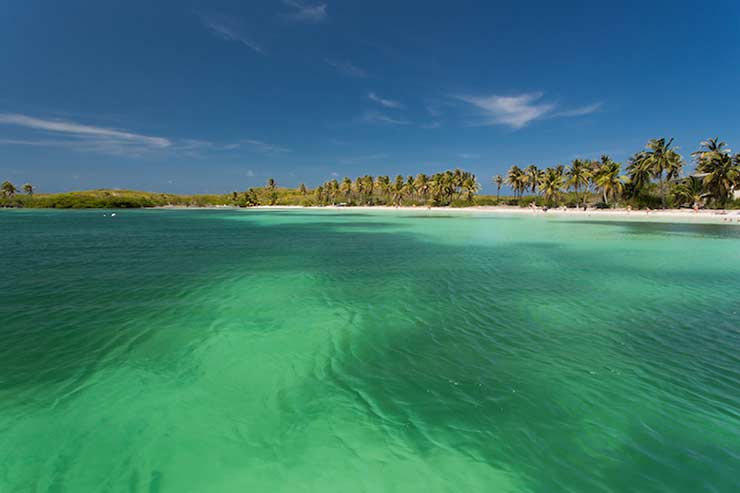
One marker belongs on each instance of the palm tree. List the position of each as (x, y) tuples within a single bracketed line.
[(517, 180), (8, 189), (639, 173), (660, 158), (470, 186), (359, 187), (710, 146), (421, 183), (721, 175), (690, 191), (272, 188), (28, 189), (551, 184), (319, 193), (346, 188), (578, 174), (409, 189), (367, 184), (533, 176), (607, 179), (498, 180), (302, 189), (398, 190), (383, 185)]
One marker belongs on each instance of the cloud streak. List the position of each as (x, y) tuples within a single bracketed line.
[(518, 111), (264, 147), (92, 134), (306, 13), (388, 103), (229, 29), (347, 69), (378, 118), (88, 138)]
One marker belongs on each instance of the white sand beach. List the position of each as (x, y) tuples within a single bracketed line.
[(662, 215)]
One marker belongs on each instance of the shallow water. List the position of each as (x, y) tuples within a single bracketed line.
[(326, 351)]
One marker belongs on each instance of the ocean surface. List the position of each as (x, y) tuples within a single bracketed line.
[(320, 351)]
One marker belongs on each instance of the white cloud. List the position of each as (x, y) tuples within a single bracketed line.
[(264, 147), (229, 29), (335, 174), (388, 103), (434, 124), (376, 117), (305, 12), (347, 69), (82, 131), (88, 138), (514, 111), (582, 111), (465, 155), (518, 111)]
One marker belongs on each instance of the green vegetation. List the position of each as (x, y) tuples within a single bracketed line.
[(654, 178)]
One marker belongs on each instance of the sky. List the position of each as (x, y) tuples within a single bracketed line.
[(217, 96)]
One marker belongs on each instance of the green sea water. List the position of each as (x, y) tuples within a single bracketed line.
[(302, 351)]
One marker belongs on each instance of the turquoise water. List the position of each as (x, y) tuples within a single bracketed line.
[(177, 351)]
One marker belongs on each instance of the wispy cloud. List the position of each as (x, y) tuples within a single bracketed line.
[(582, 111), (378, 118), (465, 155), (388, 103), (304, 12), (518, 111), (514, 111), (229, 29), (46, 132), (264, 147), (81, 136), (430, 125), (347, 69)]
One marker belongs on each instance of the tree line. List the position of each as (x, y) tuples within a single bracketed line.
[(654, 178)]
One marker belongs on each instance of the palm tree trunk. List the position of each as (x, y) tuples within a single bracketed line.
[(662, 190)]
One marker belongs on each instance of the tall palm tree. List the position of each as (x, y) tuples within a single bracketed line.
[(659, 158), (319, 193), (578, 174), (639, 173), (421, 184), (302, 189), (608, 181), (710, 146), (470, 186), (533, 176), (8, 189), (516, 179), (398, 190), (721, 175), (498, 180), (272, 188), (346, 188), (359, 188), (28, 189), (551, 184), (382, 183)]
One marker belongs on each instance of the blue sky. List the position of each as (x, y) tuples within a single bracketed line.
[(218, 96)]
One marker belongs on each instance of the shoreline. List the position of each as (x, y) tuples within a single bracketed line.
[(667, 215)]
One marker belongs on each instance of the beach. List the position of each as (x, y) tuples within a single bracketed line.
[(659, 215)]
